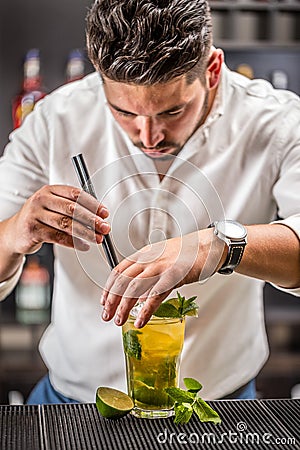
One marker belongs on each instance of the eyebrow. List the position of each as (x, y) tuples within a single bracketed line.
[(174, 108)]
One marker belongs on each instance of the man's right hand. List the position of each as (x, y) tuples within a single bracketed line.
[(55, 214)]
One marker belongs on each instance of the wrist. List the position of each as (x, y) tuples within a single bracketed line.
[(211, 254), (11, 259), (234, 236)]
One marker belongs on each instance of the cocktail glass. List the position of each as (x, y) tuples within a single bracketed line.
[(152, 356)]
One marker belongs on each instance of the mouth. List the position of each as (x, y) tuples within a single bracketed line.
[(157, 152)]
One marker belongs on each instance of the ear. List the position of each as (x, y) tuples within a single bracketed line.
[(213, 70)]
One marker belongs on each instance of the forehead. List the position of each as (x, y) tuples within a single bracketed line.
[(150, 99)]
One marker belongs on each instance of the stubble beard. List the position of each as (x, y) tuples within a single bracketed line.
[(178, 147)]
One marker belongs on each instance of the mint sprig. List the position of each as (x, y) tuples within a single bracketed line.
[(132, 344), (183, 413), (177, 307), (188, 401)]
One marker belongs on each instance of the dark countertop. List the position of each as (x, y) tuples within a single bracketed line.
[(246, 424)]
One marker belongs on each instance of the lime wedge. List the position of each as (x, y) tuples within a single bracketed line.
[(113, 404), (192, 312)]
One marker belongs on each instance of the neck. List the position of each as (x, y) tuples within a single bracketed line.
[(210, 101), (162, 167)]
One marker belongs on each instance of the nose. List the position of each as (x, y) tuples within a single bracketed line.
[(150, 131)]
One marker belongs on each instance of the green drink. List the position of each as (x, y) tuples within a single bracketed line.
[(152, 363)]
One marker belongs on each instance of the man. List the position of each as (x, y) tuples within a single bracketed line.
[(175, 142)]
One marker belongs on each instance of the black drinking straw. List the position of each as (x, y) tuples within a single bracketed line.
[(87, 186)]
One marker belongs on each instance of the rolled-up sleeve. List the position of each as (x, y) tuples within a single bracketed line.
[(24, 164), (23, 170), (8, 285), (287, 189), (292, 222)]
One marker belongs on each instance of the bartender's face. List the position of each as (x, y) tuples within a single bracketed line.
[(158, 119)]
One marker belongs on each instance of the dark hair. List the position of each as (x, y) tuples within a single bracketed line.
[(149, 41)]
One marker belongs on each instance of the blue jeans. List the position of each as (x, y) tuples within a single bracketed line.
[(44, 393), (247, 392)]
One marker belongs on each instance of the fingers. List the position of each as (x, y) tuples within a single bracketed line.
[(127, 292), (58, 214), (115, 273), (92, 231), (131, 283), (79, 197), (149, 276), (53, 236), (150, 306), (122, 291)]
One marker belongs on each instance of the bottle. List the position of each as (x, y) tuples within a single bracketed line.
[(32, 90), (279, 79), (33, 293), (75, 66), (246, 70)]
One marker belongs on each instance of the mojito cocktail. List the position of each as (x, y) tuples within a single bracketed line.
[(152, 363)]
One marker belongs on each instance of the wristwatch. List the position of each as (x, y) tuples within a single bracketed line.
[(235, 237)]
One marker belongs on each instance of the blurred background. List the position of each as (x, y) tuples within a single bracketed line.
[(261, 39)]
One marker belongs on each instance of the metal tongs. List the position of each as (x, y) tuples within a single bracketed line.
[(87, 186)]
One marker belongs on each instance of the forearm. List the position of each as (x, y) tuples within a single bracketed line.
[(56, 214), (272, 254), (10, 260)]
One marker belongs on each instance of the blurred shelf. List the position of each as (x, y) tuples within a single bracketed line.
[(256, 22), (257, 46), (283, 315), (20, 363), (282, 370), (254, 6), (281, 363), (20, 371)]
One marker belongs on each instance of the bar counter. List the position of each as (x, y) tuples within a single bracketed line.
[(246, 424)]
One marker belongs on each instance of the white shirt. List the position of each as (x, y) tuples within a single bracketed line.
[(243, 163)]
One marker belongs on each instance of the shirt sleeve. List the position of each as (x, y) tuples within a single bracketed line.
[(287, 188), (24, 164), (292, 222), (8, 285), (23, 170)]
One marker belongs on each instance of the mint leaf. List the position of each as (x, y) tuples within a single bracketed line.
[(183, 413), (167, 310), (167, 371), (190, 300), (205, 412), (190, 307), (179, 395), (187, 402), (192, 385), (181, 301), (191, 311), (131, 343), (177, 307), (150, 395)]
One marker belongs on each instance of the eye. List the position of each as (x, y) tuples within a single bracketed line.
[(174, 113), (121, 112), (125, 113)]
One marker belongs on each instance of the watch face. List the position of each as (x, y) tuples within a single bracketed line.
[(231, 229)]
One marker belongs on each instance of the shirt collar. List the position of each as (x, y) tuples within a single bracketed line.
[(217, 109), (219, 101)]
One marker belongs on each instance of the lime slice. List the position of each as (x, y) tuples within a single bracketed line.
[(113, 404), (192, 312)]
